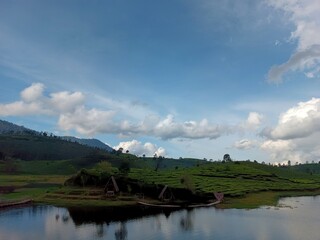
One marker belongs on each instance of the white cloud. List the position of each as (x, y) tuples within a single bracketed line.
[(34, 102), (21, 108), (305, 60), (306, 18), (72, 113), (32, 93), (245, 144), (66, 101), (138, 148), (299, 121), (283, 150), (168, 128), (254, 120), (296, 135), (93, 121), (88, 122)]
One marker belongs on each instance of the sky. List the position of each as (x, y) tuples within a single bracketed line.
[(179, 78)]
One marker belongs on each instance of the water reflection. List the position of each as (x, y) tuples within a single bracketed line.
[(296, 218), (100, 215), (100, 230), (186, 221), (122, 232)]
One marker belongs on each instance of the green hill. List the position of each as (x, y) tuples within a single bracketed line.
[(36, 147)]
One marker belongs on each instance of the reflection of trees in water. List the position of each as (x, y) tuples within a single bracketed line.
[(186, 222), (100, 230), (63, 216), (158, 219), (158, 224), (167, 213), (37, 210), (121, 233)]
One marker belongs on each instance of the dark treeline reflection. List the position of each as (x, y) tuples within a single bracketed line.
[(102, 217), (107, 215), (122, 232), (293, 218), (186, 221)]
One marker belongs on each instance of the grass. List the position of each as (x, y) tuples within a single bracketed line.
[(30, 186), (245, 184), (269, 198), (234, 179), (49, 189)]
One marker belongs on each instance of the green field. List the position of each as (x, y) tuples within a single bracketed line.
[(245, 184)]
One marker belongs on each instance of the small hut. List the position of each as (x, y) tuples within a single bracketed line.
[(111, 188), (166, 194), (219, 196)]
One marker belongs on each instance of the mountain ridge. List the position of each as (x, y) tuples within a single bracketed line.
[(9, 128), (91, 142)]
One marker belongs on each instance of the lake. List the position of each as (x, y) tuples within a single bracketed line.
[(295, 218)]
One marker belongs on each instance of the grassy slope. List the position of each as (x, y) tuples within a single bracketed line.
[(245, 184), (234, 179)]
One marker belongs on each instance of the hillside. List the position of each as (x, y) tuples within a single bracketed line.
[(37, 147), (244, 184), (95, 143), (10, 128), (311, 168)]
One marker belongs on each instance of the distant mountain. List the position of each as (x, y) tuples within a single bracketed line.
[(10, 128), (89, 142), (13, 129)]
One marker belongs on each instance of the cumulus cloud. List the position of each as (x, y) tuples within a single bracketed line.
[(296, 135), (88, 122), (139, 148), (306, 18), (21, 108), (284, 150), (168, 128), (66, 101), (245, 144), (308, 60), (32, 93), (254, 120), (73, 114), (298, 122), (34, 102), (94, 121)]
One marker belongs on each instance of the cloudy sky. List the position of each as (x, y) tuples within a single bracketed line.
[(180, 78)]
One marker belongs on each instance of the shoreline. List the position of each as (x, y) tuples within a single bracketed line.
[(249, 201), (264, 198), (14, 204)]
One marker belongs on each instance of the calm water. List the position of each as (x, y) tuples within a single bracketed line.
[(295, 218)]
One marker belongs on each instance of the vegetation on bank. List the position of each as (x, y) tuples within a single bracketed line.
[(40, 165), (245, 184)]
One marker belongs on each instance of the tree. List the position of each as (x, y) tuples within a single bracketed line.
[(104, 167), (227, 158), (186, 180), (2, 156), (119, 151), (159, 162), (124, 167), (9, 166)]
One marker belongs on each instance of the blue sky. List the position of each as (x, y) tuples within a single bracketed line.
[(179, 78)]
